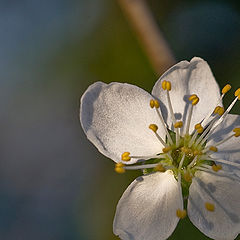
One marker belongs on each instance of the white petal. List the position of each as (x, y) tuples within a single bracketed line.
[(187, 78), (229, 150), (116, 119), (147, 209), (224, 221)]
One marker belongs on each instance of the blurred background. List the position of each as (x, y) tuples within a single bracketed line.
[(54, 184)]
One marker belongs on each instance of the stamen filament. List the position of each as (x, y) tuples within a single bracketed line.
[(193, 162), (226, 112), (221, 174), (173, 117), (189, 119), (165, 128), (147, 157), (219, 143), (154, 128), (223, 161), (193, 139), (225, 89), (160, 139), (136, 167), (181, 162), (207, 130)]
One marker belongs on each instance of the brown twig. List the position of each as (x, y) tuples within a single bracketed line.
[(149, 34)]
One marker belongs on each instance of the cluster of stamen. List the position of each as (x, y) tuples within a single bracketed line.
[(185, 154)]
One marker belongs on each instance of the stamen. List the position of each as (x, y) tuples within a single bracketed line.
[(137, 167), (119, 168), (178, 124), (219, 110), (224, 140), (197, 152), (237, 94), (166, 85), (154, 128), (226, 88), (209, 206), (126, 157), (216, 168), (181, 162), (193, 162), (152, 105), (199, 130), (155, 103), (160, 168), (237, 132), (224, 91), (166, 149), (181, 213), (213, 148), (194, 99), (207, 130), (207, 168), (223, 161)]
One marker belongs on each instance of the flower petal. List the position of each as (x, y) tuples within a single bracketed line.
[(147, 209), (229, 150), (187, 78), (116, 119), (224, 221)]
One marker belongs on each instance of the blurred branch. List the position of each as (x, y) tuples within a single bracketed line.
[(148, 34)]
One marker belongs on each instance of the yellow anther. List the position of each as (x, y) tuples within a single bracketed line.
[(226, 88), (169, 86), (160, 168), (119, 168), (197, 152), (216, 168), (152, 104), (156, 103), (126, 157), (199, 128), (237, 132), (209, 206), (219, 110), (181, 213), (178, 124), (237, 92), (166, 149), (153, 127), (194, 99), (186, 150), (187, 176), (166, 85), (213, 148)]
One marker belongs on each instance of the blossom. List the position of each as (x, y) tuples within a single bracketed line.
[(184, 142)]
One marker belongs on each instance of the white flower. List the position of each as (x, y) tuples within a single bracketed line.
[(185, 143)]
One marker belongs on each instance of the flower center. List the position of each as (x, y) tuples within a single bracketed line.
[(184, 154)]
